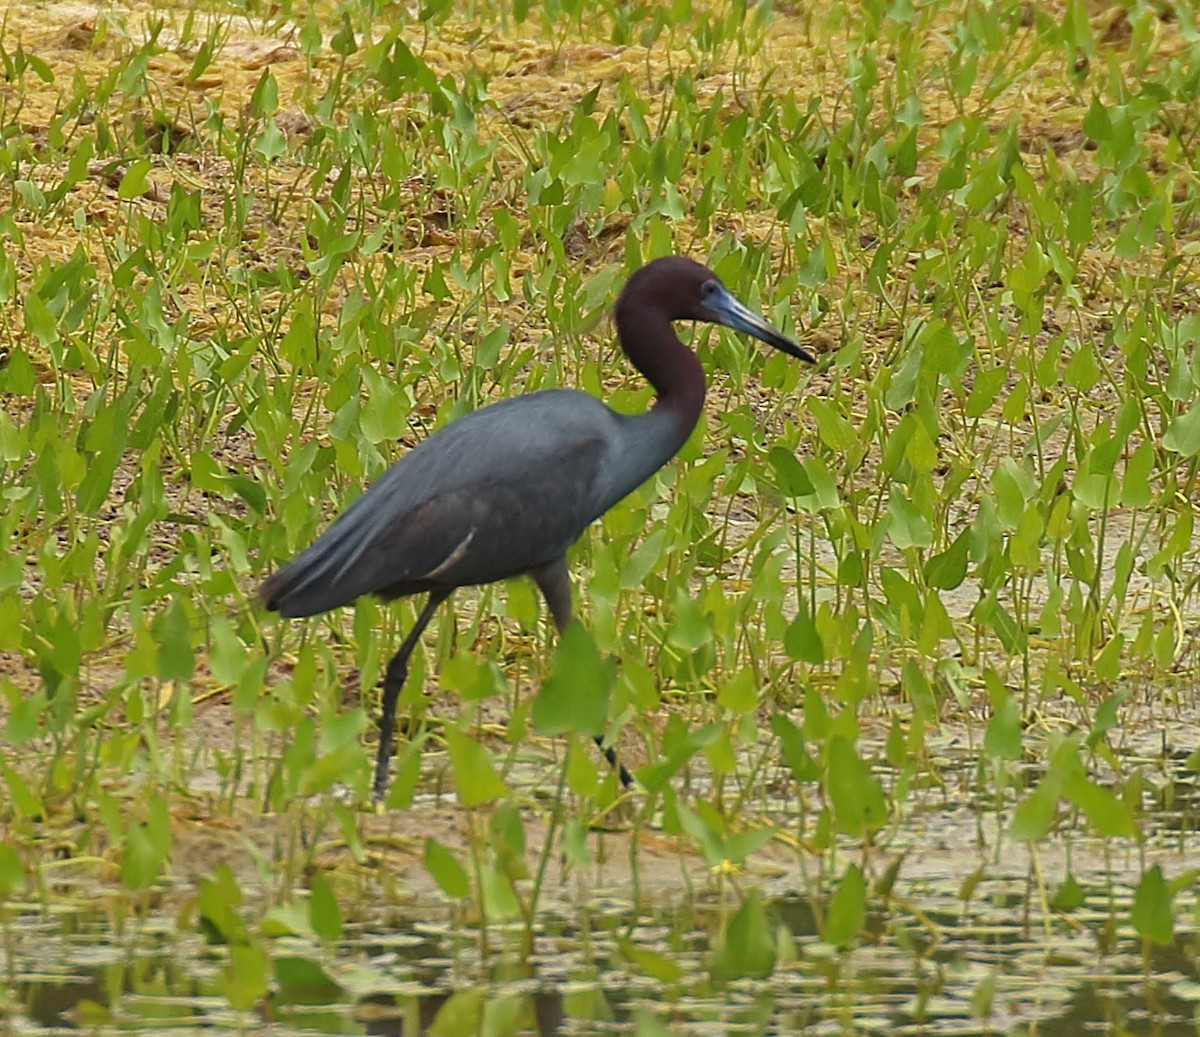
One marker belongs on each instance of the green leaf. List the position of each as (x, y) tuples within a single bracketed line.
[(983, 997), (303, 981), (341, 731), (323, 910), (1105, 812), (271, 142), (219, 898), (739, 694), (908, 526), (920, 692), (825, 487), (23, 800), (384, 415), (250, 686), (1108, 715), (847, 913), (343, 42), (498, 897), (25, 713), (802, 640), (251, 492), (39, 321), (858, 801), (1082, 372), (1069, 896), (657, 966), (476, 779), (970, 884), (1035, 814), (12, 871), (403, 787), (906, 154), (506, 1015), (792, 748), (175, 658), (400, 70), (947, 570), (473, 678), (835, 431), (298, 345), (690, 629), (1183, 434), (97, 481), (1002, 739), (747, 949), (792, 479), (645, 1022), (1028, 274), (1136, 482), (142, 863), (741, 845), (135, 182), (1096, 123), (575, 696), (244, 980), (291, 919), (265, 98), (986, 388), (1107, 663), (996, 616), (447, 872), (508, 840), (701, 831), (40, 68), (1079, 214), (1152, 913)]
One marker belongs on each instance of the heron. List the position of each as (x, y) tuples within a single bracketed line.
[(505, 490)]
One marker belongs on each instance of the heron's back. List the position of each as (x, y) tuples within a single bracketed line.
[(500, 491)]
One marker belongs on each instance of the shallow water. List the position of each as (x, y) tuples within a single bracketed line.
[(70, 971), (939, 954)]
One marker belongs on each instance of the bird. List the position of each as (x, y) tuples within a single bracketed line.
[(505, 490)]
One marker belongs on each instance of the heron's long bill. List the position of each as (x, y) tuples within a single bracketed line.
[(733, 314)]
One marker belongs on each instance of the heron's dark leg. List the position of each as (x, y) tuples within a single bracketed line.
[(554, 582), (393, 681)]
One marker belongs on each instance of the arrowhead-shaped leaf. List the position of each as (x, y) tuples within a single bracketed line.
[(575, 697)]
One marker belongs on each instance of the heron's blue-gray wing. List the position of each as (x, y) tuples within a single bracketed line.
[(492, 495)]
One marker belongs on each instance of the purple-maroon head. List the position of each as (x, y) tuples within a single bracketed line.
[(682, 289)]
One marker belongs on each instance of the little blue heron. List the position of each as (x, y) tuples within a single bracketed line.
[(505, 490)]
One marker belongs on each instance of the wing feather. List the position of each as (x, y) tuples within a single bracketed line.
[(492, 495)]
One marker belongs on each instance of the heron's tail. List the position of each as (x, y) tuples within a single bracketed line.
[(295, 591), (284, 592), (320, 578)]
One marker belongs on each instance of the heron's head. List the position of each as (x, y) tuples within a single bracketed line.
[(682, 289)]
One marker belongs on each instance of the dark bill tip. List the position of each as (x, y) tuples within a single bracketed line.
[(733, 314)]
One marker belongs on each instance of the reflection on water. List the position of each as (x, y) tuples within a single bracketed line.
[(943, 955), (936, 974)]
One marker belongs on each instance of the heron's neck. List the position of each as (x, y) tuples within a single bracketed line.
[(674, 370)]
